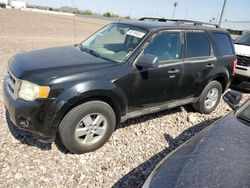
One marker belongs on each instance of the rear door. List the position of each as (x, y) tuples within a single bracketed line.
[(199, 62), (224, 51)]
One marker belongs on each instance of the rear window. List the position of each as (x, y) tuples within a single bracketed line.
[(223, 43), (197, 44)]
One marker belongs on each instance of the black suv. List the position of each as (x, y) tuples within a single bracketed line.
[(125, 70)]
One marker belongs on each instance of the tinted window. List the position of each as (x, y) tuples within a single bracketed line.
[(223, 43), (197, 45), (166, 46)]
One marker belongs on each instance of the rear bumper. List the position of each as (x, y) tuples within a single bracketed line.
[(32, 116)]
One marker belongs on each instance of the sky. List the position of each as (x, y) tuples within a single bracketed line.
[(202, 10)]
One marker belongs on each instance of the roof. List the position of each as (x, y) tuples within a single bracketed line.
[(157, 25)]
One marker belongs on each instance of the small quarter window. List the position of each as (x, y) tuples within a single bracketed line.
[(166, 46), (223, 43), (197, 44)]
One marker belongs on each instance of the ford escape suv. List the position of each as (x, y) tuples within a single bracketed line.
[(125, 70)]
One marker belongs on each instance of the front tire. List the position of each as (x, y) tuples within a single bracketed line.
[(87, 127), (209, 98)]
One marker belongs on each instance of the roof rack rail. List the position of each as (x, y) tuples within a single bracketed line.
[(153, 19), (195, 23)]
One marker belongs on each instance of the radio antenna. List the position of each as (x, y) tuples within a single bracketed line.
[(74, 21)]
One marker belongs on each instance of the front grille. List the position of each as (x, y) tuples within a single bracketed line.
[(13, 85), (243, 60)]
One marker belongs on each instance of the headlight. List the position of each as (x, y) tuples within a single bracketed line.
[(30, 91)]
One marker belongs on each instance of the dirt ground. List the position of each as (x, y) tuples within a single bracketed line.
[(128, 157)]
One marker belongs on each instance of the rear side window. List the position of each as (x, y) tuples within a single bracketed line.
[(197, 44), (223, 43)]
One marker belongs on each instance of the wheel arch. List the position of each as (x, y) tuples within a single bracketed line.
[(223, 80), (107, 99), (103, 91)]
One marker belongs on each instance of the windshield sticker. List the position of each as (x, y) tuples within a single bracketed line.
[(134, 33)]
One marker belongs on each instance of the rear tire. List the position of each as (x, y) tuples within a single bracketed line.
[(209, 98), (87, 127)]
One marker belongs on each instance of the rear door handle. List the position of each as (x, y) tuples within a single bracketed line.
[(173, 71), (210, 65)]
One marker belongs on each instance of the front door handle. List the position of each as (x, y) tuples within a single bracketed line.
[(210, 65), (173, 71)]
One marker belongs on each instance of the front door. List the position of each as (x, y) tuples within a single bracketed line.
[(154, 86)]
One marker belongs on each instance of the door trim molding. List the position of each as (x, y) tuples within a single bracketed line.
[(157, 108)]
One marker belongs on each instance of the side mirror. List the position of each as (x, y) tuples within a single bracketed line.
[(232, 98), (148, 61)]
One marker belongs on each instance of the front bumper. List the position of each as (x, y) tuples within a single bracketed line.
[(242, 70), (35, 116)]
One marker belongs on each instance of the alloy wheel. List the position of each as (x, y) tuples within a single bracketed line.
[(91, 128), (212, 98)]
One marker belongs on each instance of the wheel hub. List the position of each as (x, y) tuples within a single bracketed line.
[(212, 98), (91, 128)]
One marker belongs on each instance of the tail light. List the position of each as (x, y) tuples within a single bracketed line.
[(234, 65)]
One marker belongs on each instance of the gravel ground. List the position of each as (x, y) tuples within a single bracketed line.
[(128, 157)]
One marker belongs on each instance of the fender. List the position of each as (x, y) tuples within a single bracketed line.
[(81, 92), (221, 75)]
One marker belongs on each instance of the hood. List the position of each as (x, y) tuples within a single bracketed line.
[(65, 59), (217, 157), (243, 50)]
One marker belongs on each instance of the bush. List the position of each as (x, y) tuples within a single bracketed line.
[(107, 14), (127, 17), (50, 9), (115, 16), (87, 12), (76, 12)]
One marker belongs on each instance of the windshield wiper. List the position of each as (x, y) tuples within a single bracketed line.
[(92, 52)]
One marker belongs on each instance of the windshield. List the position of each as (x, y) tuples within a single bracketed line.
[(114, 42), (245, 114), (244, 39)]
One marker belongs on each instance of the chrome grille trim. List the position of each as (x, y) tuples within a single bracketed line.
[(243, 60), (13, 85)]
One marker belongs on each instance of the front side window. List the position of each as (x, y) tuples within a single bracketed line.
[(114, 42), (223, 43), (197, 44), (165, 46)]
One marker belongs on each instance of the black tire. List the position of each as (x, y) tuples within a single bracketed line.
[(200, 105), (72, 119)]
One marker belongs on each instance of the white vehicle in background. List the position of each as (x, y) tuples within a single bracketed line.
[(18, 4), (3, 3), (242, 72)]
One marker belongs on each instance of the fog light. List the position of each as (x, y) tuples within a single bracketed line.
[(24, 122)]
